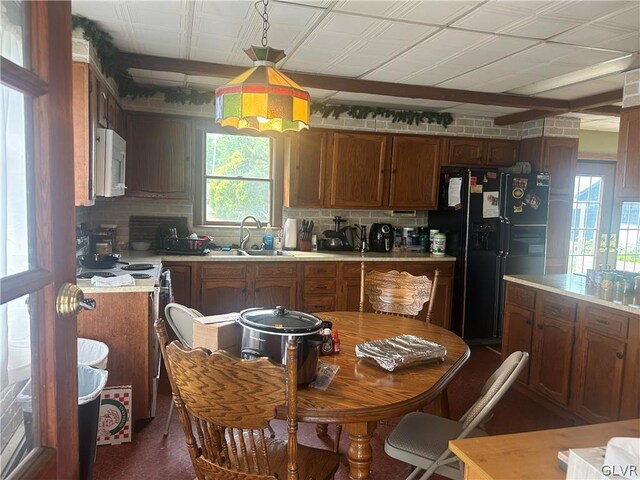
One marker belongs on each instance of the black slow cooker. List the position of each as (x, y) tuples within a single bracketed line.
[(265, 332)]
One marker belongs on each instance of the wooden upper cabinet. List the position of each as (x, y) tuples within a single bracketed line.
[(358, 170), (84, 127), (475, 152), (305, 163), (559, 158), (466, 152), (502, 153), (628, 168), (158, 157), (415, 166)]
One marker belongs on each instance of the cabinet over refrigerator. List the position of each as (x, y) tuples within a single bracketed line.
[(496, 224)]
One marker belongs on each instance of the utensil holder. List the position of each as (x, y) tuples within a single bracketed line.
[(304, 245)]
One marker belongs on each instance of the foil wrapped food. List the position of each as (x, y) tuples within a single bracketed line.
[(400, 352)]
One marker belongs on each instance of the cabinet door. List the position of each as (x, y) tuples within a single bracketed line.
[(465, 152), (558, 233), (306, 160), (222, 296), (181, 283), (349, 295), (599, 383), (560, 156), (158, 157), (502, 153), (103, 105), (551, 359), (274, 292), (516, 336), (84, 105), (415, 167), (358, 170), (628, 166)]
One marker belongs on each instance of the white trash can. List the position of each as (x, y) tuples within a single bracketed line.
[(92, 353)]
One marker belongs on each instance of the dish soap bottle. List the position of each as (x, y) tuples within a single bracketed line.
[(268, 238)]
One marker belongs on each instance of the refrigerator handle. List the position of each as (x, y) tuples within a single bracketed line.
[(498, 296), (497, 325)]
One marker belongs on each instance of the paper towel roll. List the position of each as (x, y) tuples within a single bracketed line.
[(290, 234)]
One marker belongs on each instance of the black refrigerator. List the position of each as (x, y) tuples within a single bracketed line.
[(496, 225)]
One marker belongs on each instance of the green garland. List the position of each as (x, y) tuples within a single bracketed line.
[(108, 55)]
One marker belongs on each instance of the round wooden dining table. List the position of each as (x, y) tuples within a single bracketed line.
[(362, 393)]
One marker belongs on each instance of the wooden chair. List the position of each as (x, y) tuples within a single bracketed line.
[(400, 294), (396, 293), (225, 404)]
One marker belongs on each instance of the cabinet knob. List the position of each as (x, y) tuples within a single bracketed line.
[(620, 355), (540, 326)]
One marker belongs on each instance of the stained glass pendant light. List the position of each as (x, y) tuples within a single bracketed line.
[(263, 98)]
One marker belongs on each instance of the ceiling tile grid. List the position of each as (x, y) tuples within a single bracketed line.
[(486, 45)]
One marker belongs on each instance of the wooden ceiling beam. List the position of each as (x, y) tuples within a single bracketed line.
[(344, 84), (599, 104)]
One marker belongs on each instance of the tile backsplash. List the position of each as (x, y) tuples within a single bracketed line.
[(119, 210)]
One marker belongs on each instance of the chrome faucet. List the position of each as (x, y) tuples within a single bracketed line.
[(244, 239)]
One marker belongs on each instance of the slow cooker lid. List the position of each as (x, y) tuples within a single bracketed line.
[(280, 321)]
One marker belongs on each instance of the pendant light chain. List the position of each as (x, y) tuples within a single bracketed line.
[(265, 19)]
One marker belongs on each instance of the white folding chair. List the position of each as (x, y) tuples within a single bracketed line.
[(180, 318), (422, 439)]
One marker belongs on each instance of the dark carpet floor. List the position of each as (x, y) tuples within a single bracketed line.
[(152, 455)]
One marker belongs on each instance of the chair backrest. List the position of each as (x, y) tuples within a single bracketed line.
[(228, 402), (400, 294), (493, 390), (181, 320)]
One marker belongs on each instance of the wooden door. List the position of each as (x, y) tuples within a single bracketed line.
[(465, 152), (502, 153), (37, 241), (559, 158), (358, 170), (305, 169), (273, 292), (558, 231), (158, 157), (415, 170), (601, 362), (551, 359), (628, 166), (222, 296), (517, 333), (180, 283)]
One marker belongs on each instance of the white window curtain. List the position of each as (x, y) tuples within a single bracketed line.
[(14, 317)]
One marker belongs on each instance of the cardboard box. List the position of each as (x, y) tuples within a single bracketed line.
[(114, 422), (218, 336)]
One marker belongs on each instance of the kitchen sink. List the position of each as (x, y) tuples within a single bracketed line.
[(267, 253), (227, 253)]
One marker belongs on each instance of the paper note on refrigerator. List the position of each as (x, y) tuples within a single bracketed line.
[(455, 184), (490, 204)]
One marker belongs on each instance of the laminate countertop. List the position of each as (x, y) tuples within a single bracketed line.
[(324, 256), (575, 286)]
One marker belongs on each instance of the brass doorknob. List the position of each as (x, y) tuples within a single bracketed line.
[(71, 301)]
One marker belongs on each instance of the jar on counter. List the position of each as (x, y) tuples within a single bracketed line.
[(607, 280), (104, 248), (439, 244)]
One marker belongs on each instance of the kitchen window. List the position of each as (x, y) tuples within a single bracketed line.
[(238, 179)]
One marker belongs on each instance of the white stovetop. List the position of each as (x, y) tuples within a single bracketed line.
[(141, 285)]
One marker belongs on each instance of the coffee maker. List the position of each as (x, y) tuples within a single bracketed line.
[(381, 237)]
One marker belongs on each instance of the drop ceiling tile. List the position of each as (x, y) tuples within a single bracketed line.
[(224, 9), (389, 101), (584, 89), (589, 35), (217, 26), (490, 17), (99, 11), (341, 23), (626, 19), (588, 10), (482, 110), (626, 43), (539, 27), (371, 8), (161, 50), (435, 12), (142, 13)]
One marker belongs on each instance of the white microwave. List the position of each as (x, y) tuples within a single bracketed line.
[(111, 159)]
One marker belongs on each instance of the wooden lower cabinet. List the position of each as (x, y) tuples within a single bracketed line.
[(598, 381), (124, 322), (551, 360), (221, 296), (584, 357), (222, 287)]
